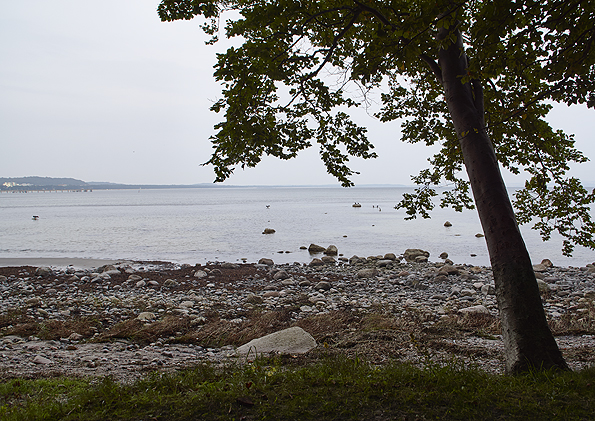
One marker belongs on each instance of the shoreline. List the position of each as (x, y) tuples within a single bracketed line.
[(154, 316), (58, 262)]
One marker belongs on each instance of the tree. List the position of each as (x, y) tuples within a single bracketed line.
[(476, 76)]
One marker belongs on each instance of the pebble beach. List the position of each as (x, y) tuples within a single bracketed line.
[(124, 318)]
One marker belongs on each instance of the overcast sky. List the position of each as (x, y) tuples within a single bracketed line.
[(104, 91)]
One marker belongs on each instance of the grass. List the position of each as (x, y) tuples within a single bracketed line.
[(331, 389)]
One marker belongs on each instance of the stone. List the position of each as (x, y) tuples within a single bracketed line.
[(268, 231), (228, 265), (200, 274), (134, 278), (421, 259), (75, 336), (187, 304), (479, 309), (390, 256), (280, 275), (146, 316), (331, 250), (140, 284), (411, 255), (367, 273), (324, 285), (293, 340), (479, 235), (543, 286), (41, 360), (265, 261), (448, 224), (444, 255), (547, 263), (328, 259), (269, 294), (315, 248), (448, 270), (43, 271), (170, 283), (316, 262), (539, 268), (383, 263), (488, 290)]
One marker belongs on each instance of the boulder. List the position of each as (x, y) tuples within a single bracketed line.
[(315, 248), (323, 285), (200, 274), (331, 250), (265, 261), (444, 255), (447, 224), (316, 262), (146, 316), (228, 265), (411, 255), (480, 309), (328, 259), (280, 275), (43, 271), (268, 231), (367, 273), (294, 340)]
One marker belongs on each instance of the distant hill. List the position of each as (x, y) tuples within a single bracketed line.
[(42, 181), (51, 183)]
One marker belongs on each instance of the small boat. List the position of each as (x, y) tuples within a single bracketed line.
[(356, 205)]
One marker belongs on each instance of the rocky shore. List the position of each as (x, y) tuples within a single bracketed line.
[(129, 318)]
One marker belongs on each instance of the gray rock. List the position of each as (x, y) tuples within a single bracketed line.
[(480, 309), (140, 284), (41, 360), (280, 275), (411, 255), (367, 273), (315, 248), (43, 271), (328, 259), (324, 285), (265, 261), (200, 274), (146, 316), (228, 265), (390, 256), (135, 278), (331, 250), (316, 262), (294, 340)]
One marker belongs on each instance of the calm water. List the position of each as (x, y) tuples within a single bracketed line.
[(226, 224)]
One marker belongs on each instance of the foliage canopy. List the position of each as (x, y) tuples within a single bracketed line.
[(302, 65)]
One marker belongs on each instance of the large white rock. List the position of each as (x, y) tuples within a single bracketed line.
[(294, 340)]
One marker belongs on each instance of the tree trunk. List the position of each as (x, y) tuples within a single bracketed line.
[(528, 341)]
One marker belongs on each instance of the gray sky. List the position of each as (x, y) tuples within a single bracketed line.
[(104, 91)]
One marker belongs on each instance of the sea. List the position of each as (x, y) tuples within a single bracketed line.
[(199, 225)]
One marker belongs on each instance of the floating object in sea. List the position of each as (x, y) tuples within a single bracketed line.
[(268, 206), (356, 205), (35, 217)]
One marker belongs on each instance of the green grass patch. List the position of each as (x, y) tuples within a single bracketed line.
[(331, 389)]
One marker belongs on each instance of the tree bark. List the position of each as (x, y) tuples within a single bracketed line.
[(528, 341)]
